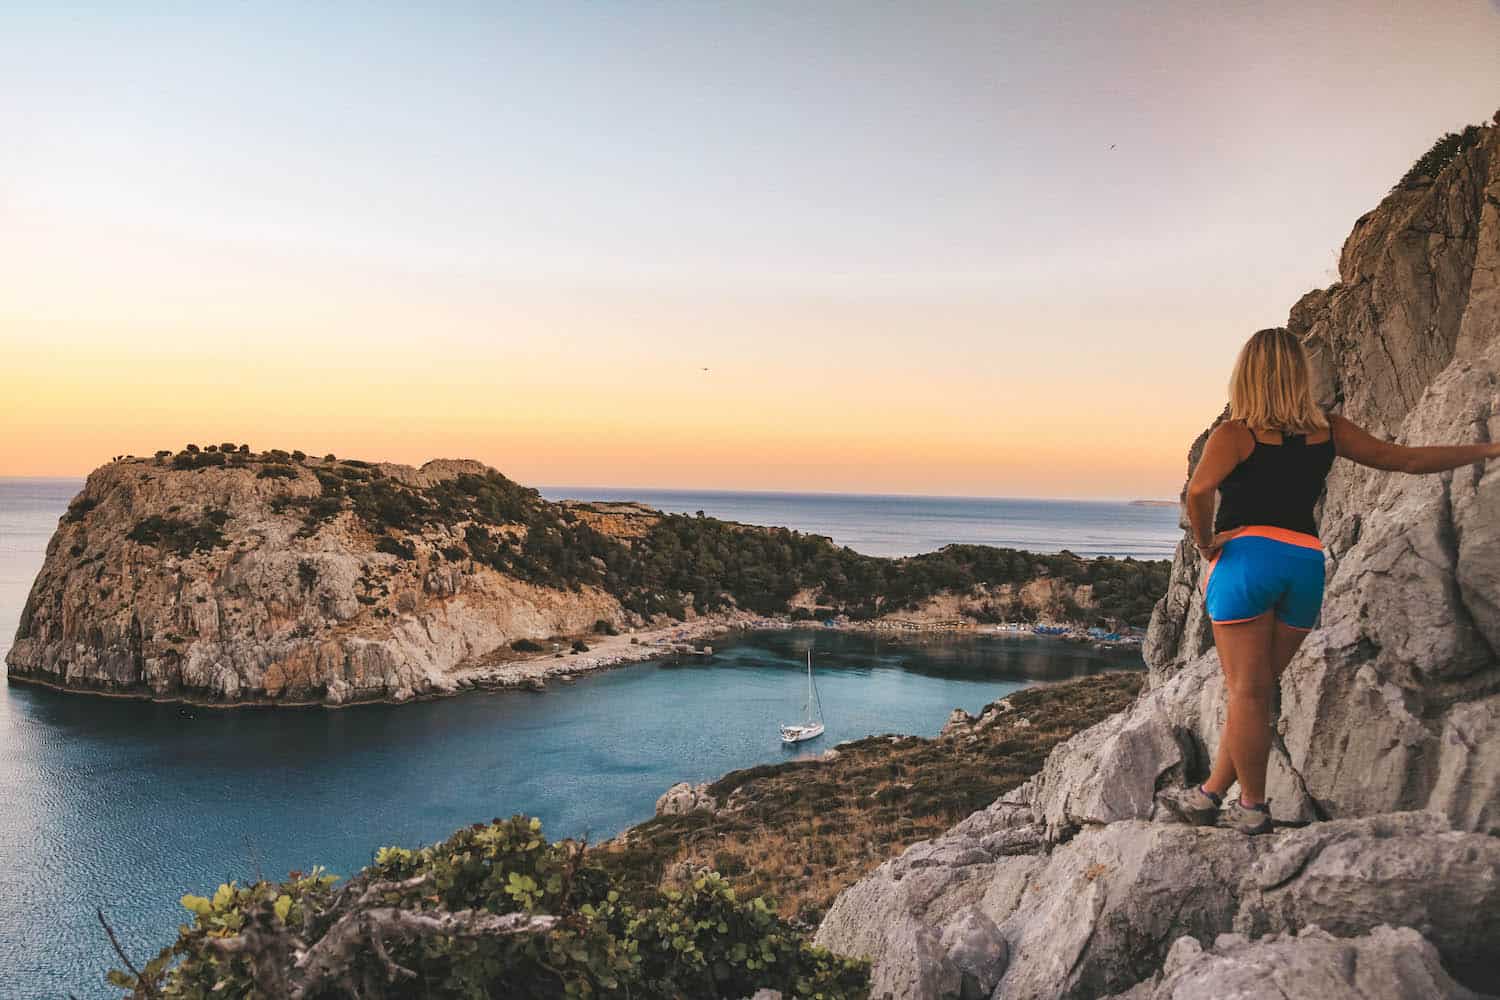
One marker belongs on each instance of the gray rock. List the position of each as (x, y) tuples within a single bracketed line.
[(1100, 915), (979, 952), (1383, 964), (1112, 771), (893, 916), (685, 797), (1403, 869)]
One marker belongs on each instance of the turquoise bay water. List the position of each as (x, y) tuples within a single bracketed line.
[(127, 805)]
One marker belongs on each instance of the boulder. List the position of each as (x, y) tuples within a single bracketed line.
[(1386, 963), (685, 797), (974, 946), (922, 917), (1405, 869), (1099, 916)]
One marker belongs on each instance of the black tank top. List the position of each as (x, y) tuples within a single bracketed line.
[(1277, 485)]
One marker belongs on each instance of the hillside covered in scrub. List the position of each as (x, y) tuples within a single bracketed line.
[(230, 575), (717, 898)]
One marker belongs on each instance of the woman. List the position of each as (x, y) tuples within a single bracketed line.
[(1263, 586)]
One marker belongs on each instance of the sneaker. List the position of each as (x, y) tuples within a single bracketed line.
[(1250, 820), (1190, 805)]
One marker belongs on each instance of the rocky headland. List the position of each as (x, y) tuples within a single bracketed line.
[(225, 576)]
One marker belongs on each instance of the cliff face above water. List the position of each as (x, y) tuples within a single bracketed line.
[(231, 576), (1388, 737), (247, 581)]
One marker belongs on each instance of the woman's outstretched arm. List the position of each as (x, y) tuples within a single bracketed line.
[(1354, 442)]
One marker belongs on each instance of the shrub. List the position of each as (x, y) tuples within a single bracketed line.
[(399, 549), (164, 453), (603, 627), (579, 646), (276, 472), (1443, 152), (211, 447), (228, 446), (191, 448), (172, 534), (79, 508), (307, 574), (330, 457), (299, 456), (244, 449), (700, 942), (526, 646), (197, 459)]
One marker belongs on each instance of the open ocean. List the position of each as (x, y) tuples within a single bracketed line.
[(128, 804), (906, 525)]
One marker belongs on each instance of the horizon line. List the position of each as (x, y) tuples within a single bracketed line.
[(726, 491)]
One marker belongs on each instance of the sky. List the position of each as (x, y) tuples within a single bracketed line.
[(1004, 249)]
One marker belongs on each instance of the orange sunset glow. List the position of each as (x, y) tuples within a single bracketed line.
[(743, 248)]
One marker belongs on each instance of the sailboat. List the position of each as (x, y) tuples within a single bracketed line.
[(812, 713)]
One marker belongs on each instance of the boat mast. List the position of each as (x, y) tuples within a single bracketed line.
[(812, 691)]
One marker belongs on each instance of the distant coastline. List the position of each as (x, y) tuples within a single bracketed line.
[(1153, 503)]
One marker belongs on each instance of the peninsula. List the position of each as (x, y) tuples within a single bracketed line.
[(222, 575)]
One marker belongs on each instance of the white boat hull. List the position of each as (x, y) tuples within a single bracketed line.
[(798, 734)]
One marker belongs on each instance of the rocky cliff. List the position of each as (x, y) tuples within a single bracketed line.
[(242, 581), (1387, 734)]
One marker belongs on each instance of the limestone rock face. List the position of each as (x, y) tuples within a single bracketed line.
[(1400, 868), (1097, 915), (1394, 702), (1388, 732), (1385, 964), (684, 797), (272, 606)]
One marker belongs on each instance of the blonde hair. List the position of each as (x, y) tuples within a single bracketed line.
[(1270, 388)]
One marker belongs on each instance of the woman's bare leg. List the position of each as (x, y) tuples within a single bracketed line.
[(1285, 641), (1247, 649), (1222, 775)]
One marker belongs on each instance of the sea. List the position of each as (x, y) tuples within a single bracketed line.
[(127, 805)]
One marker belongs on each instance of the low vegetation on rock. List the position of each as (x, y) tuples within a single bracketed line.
[(494, 911), (805, 830), (1443, 152)]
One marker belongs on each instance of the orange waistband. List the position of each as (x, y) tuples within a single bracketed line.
[(1286, 535)]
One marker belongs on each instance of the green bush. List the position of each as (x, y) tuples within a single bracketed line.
[(299, 456), (579, 938), (399, 549), (603, 627), (526, 646), (172, 534), (1443, 152), (79, 508), (276, 472), (579, 646), (198, 459)]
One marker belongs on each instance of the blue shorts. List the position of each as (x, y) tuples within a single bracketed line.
[(1265, 569)]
